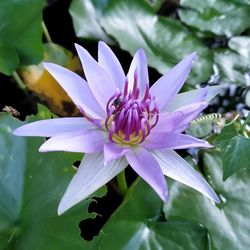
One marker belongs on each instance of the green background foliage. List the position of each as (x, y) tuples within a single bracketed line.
[(228, 223), (32, 183), (31, 186), (20, 33)]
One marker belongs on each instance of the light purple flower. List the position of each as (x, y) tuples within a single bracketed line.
[(125, 122)]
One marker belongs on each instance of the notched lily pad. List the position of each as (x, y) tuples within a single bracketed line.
[(138, 224), (31, 186), (228, 224)]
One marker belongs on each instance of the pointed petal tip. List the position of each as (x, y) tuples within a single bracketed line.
[(62, 207), (216, 199), (208, 145), (22, 131), (164, 196), (51, 67), (66, 203), (192, 56), (59, 212), (141, 53), (16, 132), (90, 176), (178, 169), (77, 45), (48, 65), (203, 104), (41, 149), (44, 148), (214, 91), (79, 48), (213, 196), (102, 43), (141, 50)]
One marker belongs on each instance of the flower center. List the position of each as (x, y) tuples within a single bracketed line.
[(130, 119)]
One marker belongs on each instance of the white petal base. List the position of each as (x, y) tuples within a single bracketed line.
[(91, 175)]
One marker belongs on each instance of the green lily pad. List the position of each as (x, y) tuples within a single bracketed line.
[(225, 136), (31, 186), (155, 4), (56, 54), (21, 30), (228, 224), (166, 41), (8, 59), (220, 17), (232, 68), (240, 44), (138, 224), (235, 151), (86, 16)]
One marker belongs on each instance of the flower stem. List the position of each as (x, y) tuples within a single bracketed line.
[(246, 121), (19, 81), (46, 33), (121, 180)]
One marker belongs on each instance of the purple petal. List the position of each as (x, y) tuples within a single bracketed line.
[(178, 169), (89, 142), (169, 84), (147, 167), (108, 60), (178, 121), (113, 151), (199, 95), (91, 175), (77, 89), (168, 122), (139, 63), (100, 82), (51, 127), (170, 140), (190, 112)]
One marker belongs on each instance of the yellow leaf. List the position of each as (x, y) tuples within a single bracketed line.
[(45, 87)]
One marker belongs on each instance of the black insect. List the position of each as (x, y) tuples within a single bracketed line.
[(117, 102)]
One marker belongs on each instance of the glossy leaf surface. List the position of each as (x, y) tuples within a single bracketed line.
[(228, 223), (31, 186)]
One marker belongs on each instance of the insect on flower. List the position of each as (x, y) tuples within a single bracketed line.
[(125, 122)]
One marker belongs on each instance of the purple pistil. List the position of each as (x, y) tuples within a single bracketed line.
[(130, 119)]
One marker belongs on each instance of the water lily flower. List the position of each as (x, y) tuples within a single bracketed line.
[(125, 122)]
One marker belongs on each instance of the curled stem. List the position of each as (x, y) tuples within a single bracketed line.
[(246, 122), (231, 122), (243, 127), (122, 184)]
